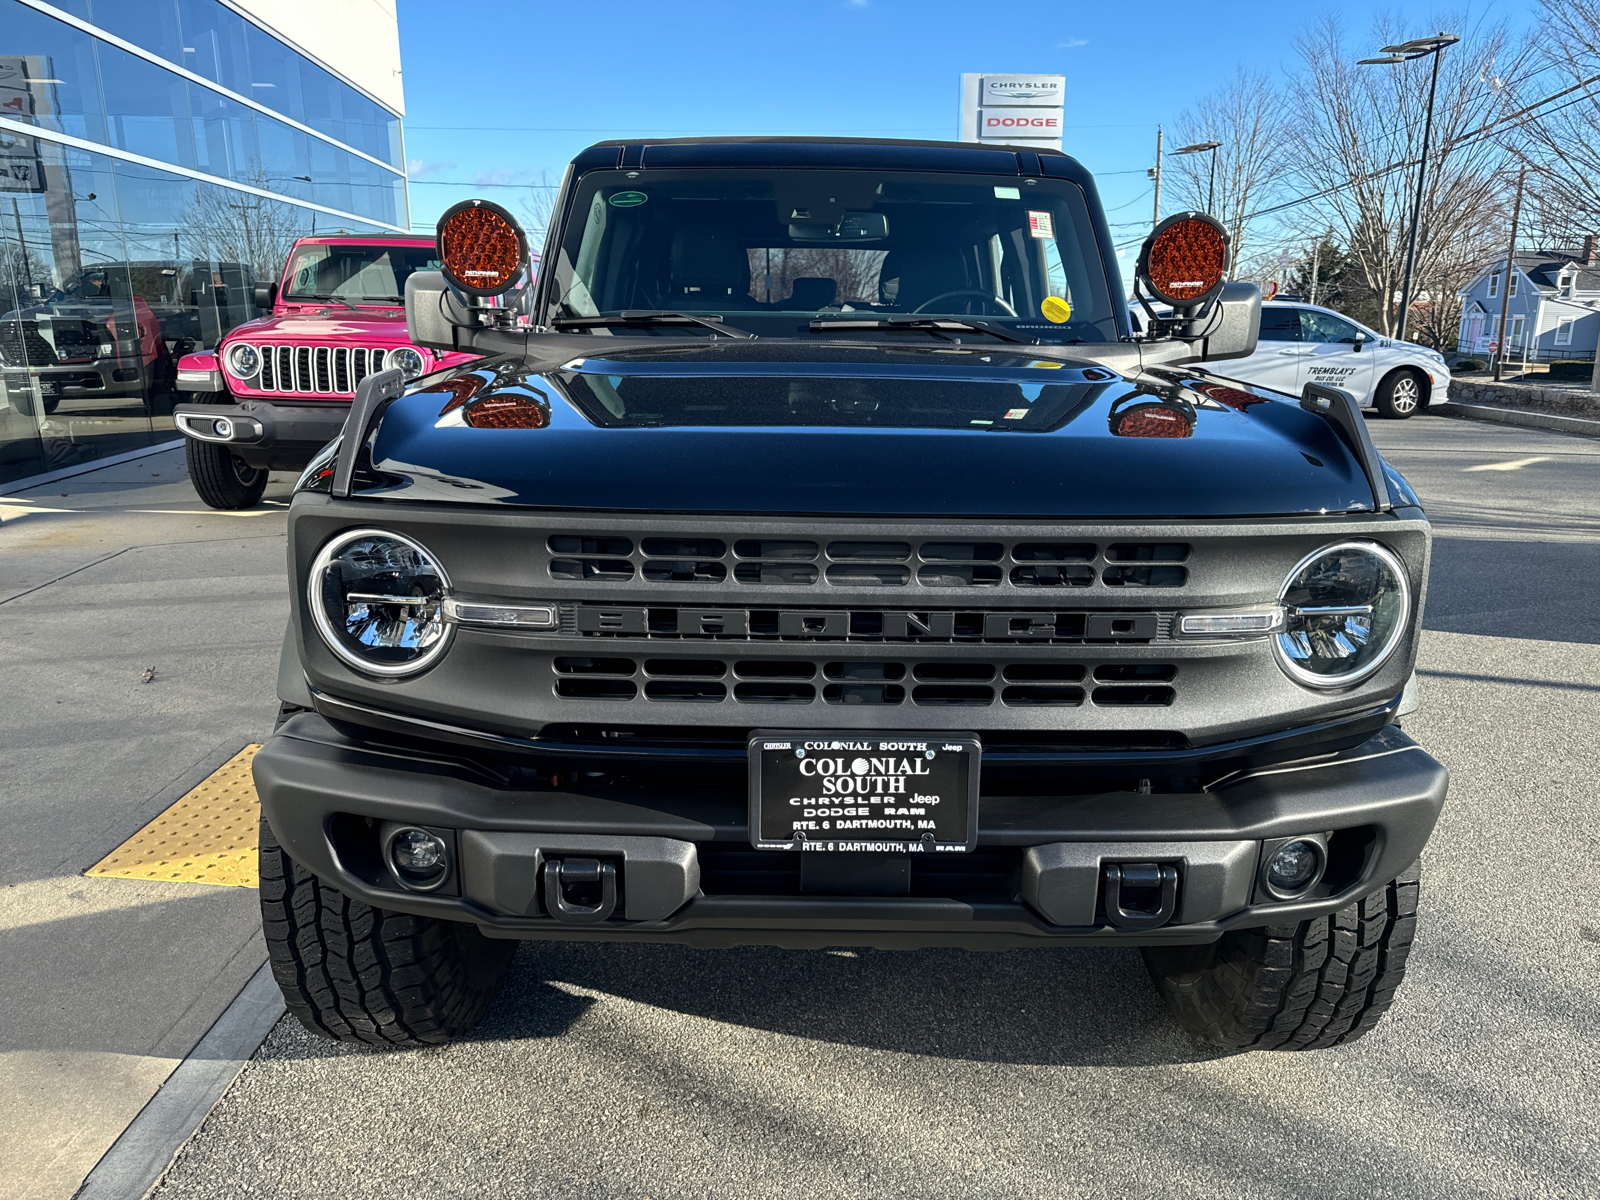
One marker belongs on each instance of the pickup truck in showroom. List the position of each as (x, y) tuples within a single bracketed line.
[(813, 556)]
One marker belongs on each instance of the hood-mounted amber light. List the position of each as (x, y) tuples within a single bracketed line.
[(1184, 261), (482, 249)]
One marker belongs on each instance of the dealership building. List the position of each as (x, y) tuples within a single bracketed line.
[(157, 157)]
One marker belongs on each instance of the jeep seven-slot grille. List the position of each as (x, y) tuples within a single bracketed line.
[(927, 683), (328, 370), (804, 562)]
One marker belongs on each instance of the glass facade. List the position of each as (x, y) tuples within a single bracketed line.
[(116, 257)]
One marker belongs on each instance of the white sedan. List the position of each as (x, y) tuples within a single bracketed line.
[(1306, 343)]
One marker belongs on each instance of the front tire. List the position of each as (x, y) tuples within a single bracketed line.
[(1401, 394), (1304, 986), (358, 974)]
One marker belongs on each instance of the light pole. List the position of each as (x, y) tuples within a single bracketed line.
[(1405, 52), (1211, 192)]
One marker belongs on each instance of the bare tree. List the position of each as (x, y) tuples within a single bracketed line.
[(1357, 136), (1562, 142), (1246, 116), (244, 228)]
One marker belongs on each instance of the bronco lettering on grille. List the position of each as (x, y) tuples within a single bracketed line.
[(879, 625)]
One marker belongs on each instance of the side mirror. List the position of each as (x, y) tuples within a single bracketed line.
[(1361, 339), (265, 295), (1234, 325), (432, 312)]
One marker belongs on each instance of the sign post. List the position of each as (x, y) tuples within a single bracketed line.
[(1013, 110)]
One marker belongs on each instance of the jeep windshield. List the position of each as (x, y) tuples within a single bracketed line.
[(876, 255), (355, 274)]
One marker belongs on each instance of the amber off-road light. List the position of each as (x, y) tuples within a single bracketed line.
[(1184, 261), (482, 249)]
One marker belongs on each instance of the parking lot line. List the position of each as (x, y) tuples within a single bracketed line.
[(208, 836)]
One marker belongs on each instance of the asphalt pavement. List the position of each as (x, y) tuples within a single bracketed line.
[(664, 1072)]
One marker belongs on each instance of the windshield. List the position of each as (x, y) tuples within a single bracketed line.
[(774, 251), (375, 274)]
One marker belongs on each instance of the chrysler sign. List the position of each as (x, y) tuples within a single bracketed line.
[(1020, 110)]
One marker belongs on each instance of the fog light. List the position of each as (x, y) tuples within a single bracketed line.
[(419, 860), (1294, 867), (222, 427)]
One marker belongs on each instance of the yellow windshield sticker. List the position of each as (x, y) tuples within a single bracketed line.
[(1055, 309)]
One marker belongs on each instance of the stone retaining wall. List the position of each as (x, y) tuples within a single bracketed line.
[(1567, 402)]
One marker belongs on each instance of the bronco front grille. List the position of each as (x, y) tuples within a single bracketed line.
[(975, 683), (806, 562), (325, 370)]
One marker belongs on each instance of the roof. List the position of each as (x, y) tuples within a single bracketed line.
[(818, 153), (1544, 268)]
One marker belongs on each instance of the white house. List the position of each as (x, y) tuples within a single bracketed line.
[(1554, 306)]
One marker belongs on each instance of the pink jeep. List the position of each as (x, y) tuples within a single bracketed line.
[(276, 390)]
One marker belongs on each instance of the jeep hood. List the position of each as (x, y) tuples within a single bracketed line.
[(331, 324), (780, 428)]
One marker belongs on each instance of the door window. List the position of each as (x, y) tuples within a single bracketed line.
[(1280, 325), (1325, 327)]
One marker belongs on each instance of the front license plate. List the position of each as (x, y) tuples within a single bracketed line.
[(916, 793), (49, 387)]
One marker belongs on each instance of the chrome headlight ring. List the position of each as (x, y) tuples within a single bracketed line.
[(244, 361), (1366, 628), (371, 632)]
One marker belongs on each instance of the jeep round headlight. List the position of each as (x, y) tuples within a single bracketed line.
[(243, 361), (1345, 611), (376, 598), (407, 361)]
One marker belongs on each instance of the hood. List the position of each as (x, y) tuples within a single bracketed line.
[(780, 428), (385, 326)]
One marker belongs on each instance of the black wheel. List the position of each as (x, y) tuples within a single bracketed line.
[(360, 974), (222, 478), (1401, 394), (1307, 986)]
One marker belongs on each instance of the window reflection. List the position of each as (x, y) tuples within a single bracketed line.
[(109, 273)]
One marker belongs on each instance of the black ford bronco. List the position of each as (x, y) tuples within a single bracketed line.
[(813, 556)]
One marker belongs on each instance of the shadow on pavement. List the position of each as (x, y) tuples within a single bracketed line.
[(1513, 589), (1041, 1007)]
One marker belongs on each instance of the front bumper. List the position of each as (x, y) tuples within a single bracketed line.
[(688, 874), (277, 437)]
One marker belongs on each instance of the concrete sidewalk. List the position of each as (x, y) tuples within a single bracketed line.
[(109, 983)]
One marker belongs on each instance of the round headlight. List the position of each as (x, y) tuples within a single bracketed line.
[(1345, 610), (407, 361), (376, 598), (243, 361)]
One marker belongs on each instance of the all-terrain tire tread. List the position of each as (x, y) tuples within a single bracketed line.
[(355, 973), (1322, 982)]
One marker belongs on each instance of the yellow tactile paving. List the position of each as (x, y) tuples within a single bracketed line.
[(209, 836)]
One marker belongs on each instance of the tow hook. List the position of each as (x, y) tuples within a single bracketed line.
[(584, 876), (1140, 895)]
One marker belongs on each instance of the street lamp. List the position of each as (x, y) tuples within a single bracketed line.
[(1405, 52), (1211, 192)]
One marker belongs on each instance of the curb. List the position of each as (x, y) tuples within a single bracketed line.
[(83, 468), (1576, 426), (140, 1157)]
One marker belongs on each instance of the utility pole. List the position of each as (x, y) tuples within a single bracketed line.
[(1505, 284), (1156, 219), (1316, 265)]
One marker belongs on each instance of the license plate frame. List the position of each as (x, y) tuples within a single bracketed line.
[(952, 763)]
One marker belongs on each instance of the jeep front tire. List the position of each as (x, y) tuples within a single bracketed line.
[(220, 477), (1303, 986), (354, 973)]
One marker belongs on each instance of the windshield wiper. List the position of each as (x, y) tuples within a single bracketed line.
[(337, 300), (643, 316), (930, 324)]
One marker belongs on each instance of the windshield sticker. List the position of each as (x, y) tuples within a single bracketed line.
[(1054, 309), (1005, 193), (1016, 414), (628, 199), (1039, 224)]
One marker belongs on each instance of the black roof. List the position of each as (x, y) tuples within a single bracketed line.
[(824, 153)]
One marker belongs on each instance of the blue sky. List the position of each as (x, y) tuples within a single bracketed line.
[(507, 91)]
